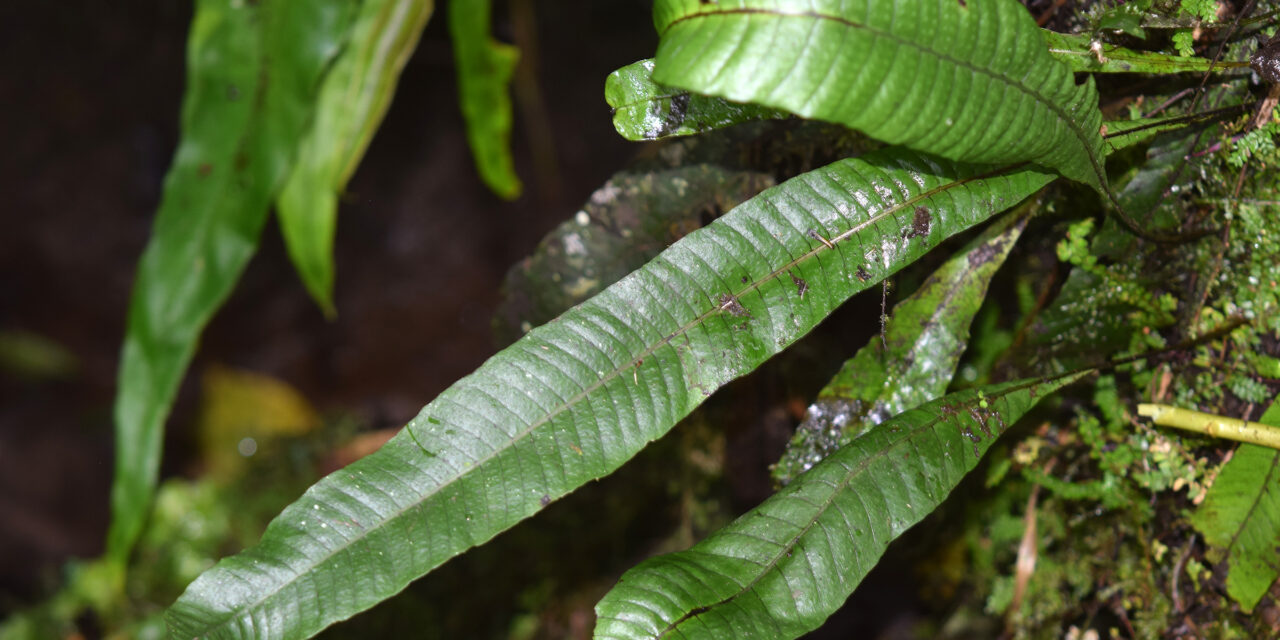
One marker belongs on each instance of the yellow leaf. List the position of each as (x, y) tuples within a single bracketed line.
[(243, 413)]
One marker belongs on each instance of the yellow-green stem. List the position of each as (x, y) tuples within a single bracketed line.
[(1212, 425)]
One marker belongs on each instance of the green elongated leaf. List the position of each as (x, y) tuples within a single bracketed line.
[(646, 110), (484, 68), (1082, 53), (356, 93), (1240, 518), (926, 334), (782, 568), (574, 399), (966, 81), (253, 73), (1126, 133)]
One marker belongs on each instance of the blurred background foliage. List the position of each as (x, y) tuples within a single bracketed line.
[(1082, 523)]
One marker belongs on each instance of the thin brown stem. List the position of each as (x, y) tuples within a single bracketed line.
[(1178, 568), (1168, 103)]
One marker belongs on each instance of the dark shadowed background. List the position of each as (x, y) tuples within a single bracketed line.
[(90, 96)]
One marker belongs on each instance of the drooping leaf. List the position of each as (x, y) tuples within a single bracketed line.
[(253, 73), (353, 99), (623, 225), (1240, 518), (1084, 54), (782, 568), (484, 69), (962, 80), (646, 110), (574, 399), (926, 334)]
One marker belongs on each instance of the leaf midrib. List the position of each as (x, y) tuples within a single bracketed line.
[(849, 477), (1255, 503), (479, 464), (1080, 135)]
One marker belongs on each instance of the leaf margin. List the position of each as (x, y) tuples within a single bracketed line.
[(183, 275), (684, 575), (695, 70), (424, 447)]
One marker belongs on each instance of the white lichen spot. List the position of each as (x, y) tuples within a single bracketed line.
[(1095, 48), (605, 194), (573, 245)]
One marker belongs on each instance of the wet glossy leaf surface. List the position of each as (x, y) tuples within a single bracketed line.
[(782, 568), (962, 80), (646, 110), (576, 398), (925, 336)]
